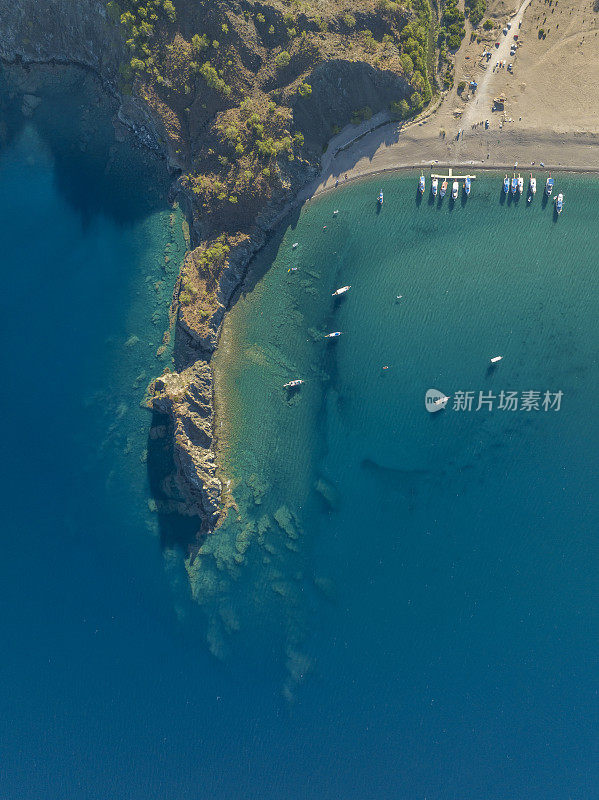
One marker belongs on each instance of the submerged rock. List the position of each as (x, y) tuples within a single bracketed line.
[(328, 493), (287, 522)]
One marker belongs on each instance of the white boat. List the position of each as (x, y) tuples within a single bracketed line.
[(343, 290), (293, 384), (421, 184), (467, 184), (435, 186), (295, 244), (533, 184), (333, 335), (506, 184), (441, 401), (549, 185), (520, 184), (514, 184), (455, 189), (381, 197), (335, 213), (559, 203), (443, 188), (495, 359)]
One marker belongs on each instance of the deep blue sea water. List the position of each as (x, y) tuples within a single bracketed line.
[(405, 605)]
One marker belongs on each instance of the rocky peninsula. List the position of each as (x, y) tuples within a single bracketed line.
[(241, 99)]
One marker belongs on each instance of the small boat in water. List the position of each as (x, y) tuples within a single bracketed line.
[(520, 184), (441, 401), (293, 384), (506, 184), (549, 185), (343, 290), (495, 359), (435, 186), (514, 184), (421, 184), (333, 335), (467, 185), (443, 188), (381, 197), (294, 245), (335, 213), (559, 203), (454, 190), (533, 184)]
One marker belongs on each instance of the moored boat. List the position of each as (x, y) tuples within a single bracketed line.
[(293, 384), (443, 188), (559, 203), (333, 335), (343, 290), (549, 185), (506, 184), (533, 184), (514, 184), (467, 184), (381, 197), (455, 189), (435, 186), (421, 184), (520, 184)]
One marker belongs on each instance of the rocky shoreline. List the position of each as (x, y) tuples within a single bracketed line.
[(187, 396)]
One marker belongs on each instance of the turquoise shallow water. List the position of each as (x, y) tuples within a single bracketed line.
[(410, 608)]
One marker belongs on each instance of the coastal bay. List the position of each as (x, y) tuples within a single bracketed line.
[(393, 603)]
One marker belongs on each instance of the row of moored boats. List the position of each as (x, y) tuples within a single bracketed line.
[(516, 186), (442, 190)]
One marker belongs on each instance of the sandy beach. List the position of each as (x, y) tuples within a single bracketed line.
[(551, 107)]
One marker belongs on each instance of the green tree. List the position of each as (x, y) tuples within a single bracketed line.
[(282, 59), (199, 43)]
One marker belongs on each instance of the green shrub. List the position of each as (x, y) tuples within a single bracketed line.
[(475, 10), (169, 10), (213, 80), (407, 64), (304, 89), (461, 86), (488, 25), (400, 110), (199, 43), (349, 20), (282, 59)]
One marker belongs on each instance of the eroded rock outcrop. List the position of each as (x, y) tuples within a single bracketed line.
[(186, 398)]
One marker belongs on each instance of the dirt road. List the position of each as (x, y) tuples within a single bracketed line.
[(480, 105)]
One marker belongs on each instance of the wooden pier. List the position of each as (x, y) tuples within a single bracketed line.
[(452, 177)]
